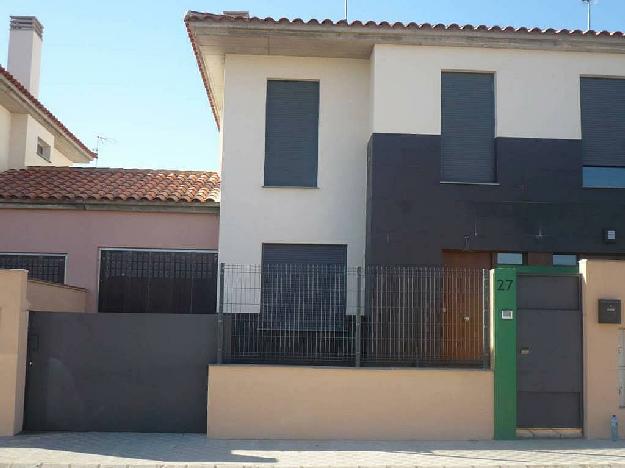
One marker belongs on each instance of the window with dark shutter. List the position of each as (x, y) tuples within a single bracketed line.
[(303, 287), (602, 102), (468, 127), (41, 267), (291, 133)]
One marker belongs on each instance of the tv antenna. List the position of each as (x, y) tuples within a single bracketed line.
[(589, 4), (101, 140)]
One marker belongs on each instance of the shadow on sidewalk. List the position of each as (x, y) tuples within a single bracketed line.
[(101, 448)]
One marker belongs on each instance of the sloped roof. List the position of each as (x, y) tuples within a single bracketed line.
[(236, 33), (4, 74), (58, 184), (205, 16)]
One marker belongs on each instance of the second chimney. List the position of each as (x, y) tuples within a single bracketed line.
[(25, 42)]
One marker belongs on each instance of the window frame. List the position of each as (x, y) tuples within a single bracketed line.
[(493, 74), (522, 254), (46, 150), (585, 165), (42, 254), (315, 185), (602, 187), (560, 254), (341, 314)]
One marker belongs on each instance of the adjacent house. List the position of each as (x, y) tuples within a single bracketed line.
[(30, 135), (372, 174), (136, 240), (415, 144)]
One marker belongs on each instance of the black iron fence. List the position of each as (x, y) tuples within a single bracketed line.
[(374, 316)]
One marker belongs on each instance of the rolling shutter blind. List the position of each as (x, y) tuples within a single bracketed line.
[(468, 127), (303, 287), (603, 121), (307, 254), (291, 133)]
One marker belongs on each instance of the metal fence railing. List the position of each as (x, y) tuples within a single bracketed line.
[(374, 316)]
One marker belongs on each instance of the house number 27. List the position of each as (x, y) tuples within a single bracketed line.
[(504, 285)]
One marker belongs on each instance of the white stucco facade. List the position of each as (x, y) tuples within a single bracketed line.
[(396, 90), (19, 135), (333, 213), (5, 135), (536, 92)]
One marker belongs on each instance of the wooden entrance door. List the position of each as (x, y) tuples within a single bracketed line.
[(463, 305)]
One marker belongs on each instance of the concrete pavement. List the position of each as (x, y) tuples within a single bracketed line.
[(59, 450)]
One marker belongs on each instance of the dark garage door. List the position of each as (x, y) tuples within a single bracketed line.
[(118, 372), (157, 281), (549, 352)]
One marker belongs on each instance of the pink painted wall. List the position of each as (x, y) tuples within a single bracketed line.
[(80, 235)]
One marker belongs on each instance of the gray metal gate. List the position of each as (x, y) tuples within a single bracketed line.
[(549, 352), (118, 372)]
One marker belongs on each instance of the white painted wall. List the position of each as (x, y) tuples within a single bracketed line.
[(24, 58), (333, 213), (396, 91), (5, 135), (22, 144), (537, 92)]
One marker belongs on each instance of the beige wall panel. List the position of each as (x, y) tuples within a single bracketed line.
[(282, 402)]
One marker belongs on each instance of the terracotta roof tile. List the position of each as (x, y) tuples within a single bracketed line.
[(204, 16), (90, 183), (193, 16), (33, 100)]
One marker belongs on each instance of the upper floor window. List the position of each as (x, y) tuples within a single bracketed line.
[(291, 133), (468, 127), (602, 103), (43, 149)]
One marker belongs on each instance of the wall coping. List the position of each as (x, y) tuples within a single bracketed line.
[(384, 369), (58, 285)]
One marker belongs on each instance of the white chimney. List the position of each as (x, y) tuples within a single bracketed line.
[(25, 42)]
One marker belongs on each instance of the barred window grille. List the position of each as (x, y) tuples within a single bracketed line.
[(146, 281), (41, 267)]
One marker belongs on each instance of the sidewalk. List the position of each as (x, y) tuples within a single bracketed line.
[(120, 449)]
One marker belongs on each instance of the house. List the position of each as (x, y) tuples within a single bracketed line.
[(372, 174), (415, 144), (134, 248), (138, 240), (30, 135), (135, 240)]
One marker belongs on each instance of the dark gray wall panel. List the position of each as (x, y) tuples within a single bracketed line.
[(119, 372), (538, 206), (291, 133), (468, 127), (603, 121)]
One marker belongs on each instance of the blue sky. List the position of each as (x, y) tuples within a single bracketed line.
[(124, 69)]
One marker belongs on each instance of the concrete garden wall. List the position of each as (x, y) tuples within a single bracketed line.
[(283, 402)]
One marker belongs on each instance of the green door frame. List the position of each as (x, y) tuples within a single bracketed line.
[(504, 295)]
